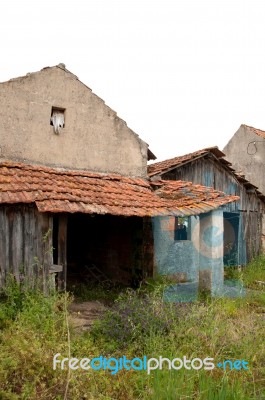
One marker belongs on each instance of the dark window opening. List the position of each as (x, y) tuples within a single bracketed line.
[(182, 228), (57, 119), (231, 227)]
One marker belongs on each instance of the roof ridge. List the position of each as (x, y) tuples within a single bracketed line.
[(170, 163), (252, 127), (257, 131)]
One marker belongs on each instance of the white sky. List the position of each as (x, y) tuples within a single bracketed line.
[(183, 74)]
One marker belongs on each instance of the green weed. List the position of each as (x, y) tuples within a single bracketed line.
[(34, 328)]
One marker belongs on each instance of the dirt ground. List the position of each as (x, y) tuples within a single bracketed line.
[(82, 315)]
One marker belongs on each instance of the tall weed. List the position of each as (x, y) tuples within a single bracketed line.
[(135, 316)]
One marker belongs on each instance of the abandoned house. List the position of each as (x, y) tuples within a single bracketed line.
[(237, 226), (75, 198)]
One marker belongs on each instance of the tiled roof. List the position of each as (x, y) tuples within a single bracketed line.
[(193, 199), (57, 190), (163, 166), (258, 132)]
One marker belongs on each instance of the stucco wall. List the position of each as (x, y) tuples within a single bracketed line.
[(247, 157), (199, 260), (93, 138), (175, 258)]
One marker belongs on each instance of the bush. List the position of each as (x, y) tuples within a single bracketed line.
[(29, 341), (135, 316)]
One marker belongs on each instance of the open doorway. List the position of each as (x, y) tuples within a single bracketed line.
[(231, 227), (104, 247)]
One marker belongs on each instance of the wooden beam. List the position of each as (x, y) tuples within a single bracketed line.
[(62, 251), (55, 268)]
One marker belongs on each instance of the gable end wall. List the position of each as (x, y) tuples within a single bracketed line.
[(93, 138)]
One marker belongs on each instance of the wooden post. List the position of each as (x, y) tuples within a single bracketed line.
[(62, 251)]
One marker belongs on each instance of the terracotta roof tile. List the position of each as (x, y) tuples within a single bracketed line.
[(57, 190), (258, 132), (164, 166), (189, 196), (160, 168)]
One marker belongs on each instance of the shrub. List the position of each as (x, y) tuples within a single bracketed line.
[(28, 343), (135, 316)]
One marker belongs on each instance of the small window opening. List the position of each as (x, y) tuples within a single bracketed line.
[(182, 228), (57, 119)]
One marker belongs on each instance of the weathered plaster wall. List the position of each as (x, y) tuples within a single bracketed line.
[(247, 157), (93, 138), (197, 260), (176, 258)]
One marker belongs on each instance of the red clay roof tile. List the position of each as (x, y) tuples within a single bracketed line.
[(163, 166), (258, 132), (57, 190)]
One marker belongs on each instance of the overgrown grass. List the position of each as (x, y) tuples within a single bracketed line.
[(255, 271), (105, 292), (34, 329), (251, 275)]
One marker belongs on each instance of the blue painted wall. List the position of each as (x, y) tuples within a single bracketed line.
[(174, 256), (203, 253)]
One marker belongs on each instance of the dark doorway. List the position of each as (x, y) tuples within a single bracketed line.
[(231, 227), (55, 238), (101, 247)]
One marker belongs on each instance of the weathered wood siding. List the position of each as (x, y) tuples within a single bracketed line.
[(25, 244), (209, 172)]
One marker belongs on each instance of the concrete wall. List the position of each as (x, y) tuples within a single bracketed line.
[(252, 165), (177, 259), (197, 260), (250, 159), (93, 138)]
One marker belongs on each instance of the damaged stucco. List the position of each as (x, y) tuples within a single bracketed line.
[(198, 261), (93, 137), (246, 151)]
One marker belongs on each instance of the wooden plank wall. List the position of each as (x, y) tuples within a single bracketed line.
[(25, 244)]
